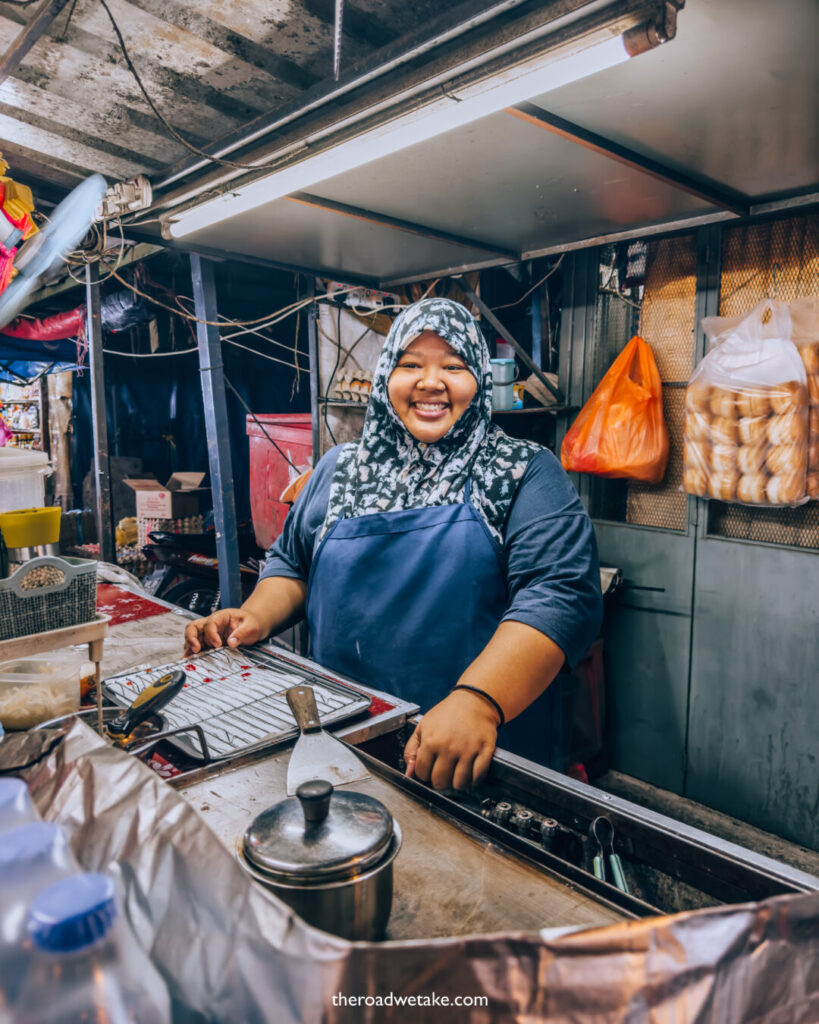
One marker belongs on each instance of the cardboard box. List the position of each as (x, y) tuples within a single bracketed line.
[(178, 497)]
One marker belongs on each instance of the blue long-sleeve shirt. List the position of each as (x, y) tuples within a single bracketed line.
[(549, 552)]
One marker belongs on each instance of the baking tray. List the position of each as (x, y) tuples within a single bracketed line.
[(238, 699)]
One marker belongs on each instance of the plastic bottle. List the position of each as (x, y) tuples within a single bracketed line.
[(32, 856), (84, 968), (16, 807)]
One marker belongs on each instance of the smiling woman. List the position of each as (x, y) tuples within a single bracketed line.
[(436, 559), (430, 388)]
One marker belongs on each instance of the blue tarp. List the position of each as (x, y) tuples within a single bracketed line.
[(23, 361)]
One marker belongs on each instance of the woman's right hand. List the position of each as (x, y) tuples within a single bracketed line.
[(231, 626)]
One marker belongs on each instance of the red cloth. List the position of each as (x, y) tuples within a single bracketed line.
[(51, 328), (124, 606)]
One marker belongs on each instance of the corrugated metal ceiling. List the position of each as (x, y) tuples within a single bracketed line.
[(72, 107)]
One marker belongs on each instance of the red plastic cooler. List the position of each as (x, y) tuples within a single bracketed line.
[(270, 473)]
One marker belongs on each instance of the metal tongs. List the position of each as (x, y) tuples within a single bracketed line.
[(602, 832)]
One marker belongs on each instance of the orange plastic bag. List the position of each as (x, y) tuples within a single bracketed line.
[(620, 431)]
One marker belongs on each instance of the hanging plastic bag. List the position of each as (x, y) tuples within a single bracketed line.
[(746, 412), (620, 431), (805, 335)]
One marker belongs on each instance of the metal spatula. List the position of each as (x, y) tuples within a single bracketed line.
[(317, 755)]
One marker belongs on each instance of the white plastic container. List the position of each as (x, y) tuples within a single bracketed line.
[(22, 479), (35, 689)]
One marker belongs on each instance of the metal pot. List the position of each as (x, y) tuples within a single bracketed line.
[(329, 856)]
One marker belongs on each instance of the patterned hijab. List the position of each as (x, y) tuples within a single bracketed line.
[(389, 470)]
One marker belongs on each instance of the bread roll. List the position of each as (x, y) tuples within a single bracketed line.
[(724, 458), (813, 454), (812, 485), (724, 430), (723, 486), (791, 395), (787, 428), (751, 457), (754, 402), (813, 388), (813, 420), (697, 455), (784, 490), (752, 429), (695, 480), (751, 488), (810, 356), (697, 426), (697, 396), (723, 403), (786, 459)]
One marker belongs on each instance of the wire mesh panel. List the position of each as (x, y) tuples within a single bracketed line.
[(667, 324), (777, 259), (663, 505)]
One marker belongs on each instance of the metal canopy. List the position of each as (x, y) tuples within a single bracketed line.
[(713, 124), (720, 121)]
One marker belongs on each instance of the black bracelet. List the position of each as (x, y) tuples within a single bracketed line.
[(486, 696)]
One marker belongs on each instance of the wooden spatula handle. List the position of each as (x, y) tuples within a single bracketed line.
[(302, 703)]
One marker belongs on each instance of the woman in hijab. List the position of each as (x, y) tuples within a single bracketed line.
[(437, 559)]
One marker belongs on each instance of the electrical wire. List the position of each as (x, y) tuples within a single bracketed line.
[(259, 425), (539, 283), (149, 355), (280, 315), (157, 113), (263, 355), (258, 334)]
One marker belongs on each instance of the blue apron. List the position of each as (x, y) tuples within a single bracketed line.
[(405, 601)]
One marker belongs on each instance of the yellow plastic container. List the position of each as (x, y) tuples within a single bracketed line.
[(31, 527)]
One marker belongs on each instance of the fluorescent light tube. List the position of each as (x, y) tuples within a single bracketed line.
[(442, 115)]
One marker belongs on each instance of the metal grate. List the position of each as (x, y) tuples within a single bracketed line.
[(238, 697), (667, 323), (778, 259), (664, 505)]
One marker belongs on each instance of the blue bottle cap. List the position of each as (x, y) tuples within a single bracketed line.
[(11, 793), (73, 913), (25, 844)]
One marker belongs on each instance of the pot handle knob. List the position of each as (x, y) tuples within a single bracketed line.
[(314, 797)]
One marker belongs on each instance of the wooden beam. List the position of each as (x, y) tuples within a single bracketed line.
[(47, 12)]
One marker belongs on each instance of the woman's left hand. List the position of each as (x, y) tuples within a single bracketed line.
[(453, 744)]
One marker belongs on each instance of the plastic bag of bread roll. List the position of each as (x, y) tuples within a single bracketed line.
[(747, 431), (805, 335)]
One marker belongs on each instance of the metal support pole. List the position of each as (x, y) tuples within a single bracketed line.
[(537, 329), (218, 432), (102, 469), (312, 344)]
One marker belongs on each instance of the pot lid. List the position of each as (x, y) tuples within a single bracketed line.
[(319, 835)]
